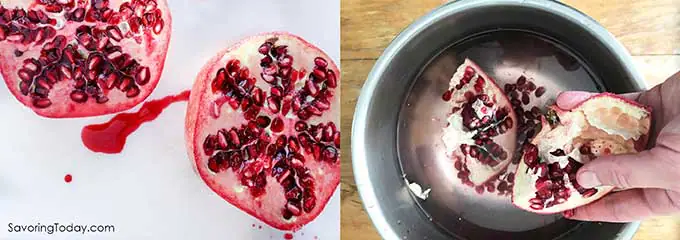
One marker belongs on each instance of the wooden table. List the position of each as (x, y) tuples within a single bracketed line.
[(650, 29)]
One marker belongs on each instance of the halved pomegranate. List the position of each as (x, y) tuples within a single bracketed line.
[(482, 128), (262, 128), (79, 58), (603, 124)]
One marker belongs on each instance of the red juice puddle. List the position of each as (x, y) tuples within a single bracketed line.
[(110, 137), (68, 178), (288, 236)]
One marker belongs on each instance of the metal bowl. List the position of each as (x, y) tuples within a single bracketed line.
[(399, 116)]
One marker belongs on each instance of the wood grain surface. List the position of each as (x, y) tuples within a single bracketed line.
[(650, 30)]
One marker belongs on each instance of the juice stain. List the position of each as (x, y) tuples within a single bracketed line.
[(110, 137)]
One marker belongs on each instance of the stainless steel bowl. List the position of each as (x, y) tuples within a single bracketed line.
[(399, 115)]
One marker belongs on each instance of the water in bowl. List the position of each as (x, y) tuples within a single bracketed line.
[(505, 55)]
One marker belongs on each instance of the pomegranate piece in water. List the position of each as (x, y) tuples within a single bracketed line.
[(262, 128), (67, 59), (604, 124), (482, 126)]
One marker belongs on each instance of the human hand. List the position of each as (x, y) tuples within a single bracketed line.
[(650, 180)]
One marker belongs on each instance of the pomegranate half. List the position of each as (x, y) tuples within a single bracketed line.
[(80, 58), (604, 124), (481, 131), (262, 128)]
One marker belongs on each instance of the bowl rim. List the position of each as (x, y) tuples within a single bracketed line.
[(359, 162)]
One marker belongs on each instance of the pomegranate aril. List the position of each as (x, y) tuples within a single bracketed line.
[(531, 86), (277, 125), (264, 48), (41, 102), (525, 98), (521, 81), (78, 96), (330, 154), (132, 92), (539, 91), (273, 103), (331, 79), (589, 192), (143, 76)]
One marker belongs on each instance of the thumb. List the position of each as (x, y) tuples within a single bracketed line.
[(641, 170)]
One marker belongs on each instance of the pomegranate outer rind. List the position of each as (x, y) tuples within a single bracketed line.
[(510, 134), (75, 110), (524, 188), (197, 113)]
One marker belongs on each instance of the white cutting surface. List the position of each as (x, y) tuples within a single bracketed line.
[(150, 190)]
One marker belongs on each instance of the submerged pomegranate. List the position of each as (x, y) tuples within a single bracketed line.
[(482, 126), (262, 128), (604, 124), (79, 58)]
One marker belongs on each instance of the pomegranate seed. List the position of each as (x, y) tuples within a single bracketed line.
[(159, 26), (536, 201), (479, 189), (525, 98), (331, 79), (585, 150), (132, 92), (320, 62), (3, 32), (53, 8), (43, 82), (321, 105), (589, 192), (319, 74), (474, 151), (286, 61), (330, 154), (530, 154), (277, 125), (244, 73), (539, 91), (447, 95), (268, 78), (313, 110), (78, 96), (300, 126), (143, 76), (276, 91), (530, 86), (41, 102), (274, 104), (264, 48), (263, 121), (521, 81), (536, 206), (311, 88)]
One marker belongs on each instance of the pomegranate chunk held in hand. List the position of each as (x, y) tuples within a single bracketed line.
[(262, 128), (601, 125)]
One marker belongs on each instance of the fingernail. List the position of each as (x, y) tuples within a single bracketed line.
[(588, 179)]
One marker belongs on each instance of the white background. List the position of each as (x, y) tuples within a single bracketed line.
[(150, 190)]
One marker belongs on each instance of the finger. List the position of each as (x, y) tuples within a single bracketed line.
[(628, 206), (641, 170), (570, 99)]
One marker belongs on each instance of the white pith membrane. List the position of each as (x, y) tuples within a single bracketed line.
[(57, 88), (602, 125), (457, 134), (256, 184)]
